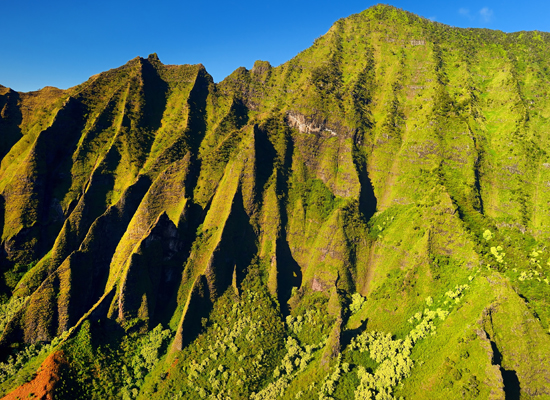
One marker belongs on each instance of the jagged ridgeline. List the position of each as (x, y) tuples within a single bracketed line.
[(370, 219)]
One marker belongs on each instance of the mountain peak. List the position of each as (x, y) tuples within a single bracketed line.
[(153, 57), (366, 220)]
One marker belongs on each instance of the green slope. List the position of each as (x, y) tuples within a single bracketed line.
[(370, 219)]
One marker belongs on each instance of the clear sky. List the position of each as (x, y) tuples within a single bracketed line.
[(63, 42)]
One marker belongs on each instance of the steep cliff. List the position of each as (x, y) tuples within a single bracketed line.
[(371, 218)]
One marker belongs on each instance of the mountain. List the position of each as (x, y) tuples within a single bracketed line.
[(370, 219)]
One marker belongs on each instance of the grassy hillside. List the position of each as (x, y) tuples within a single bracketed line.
[(370, 219)]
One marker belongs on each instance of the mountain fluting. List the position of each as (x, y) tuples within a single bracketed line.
[(370, 219)]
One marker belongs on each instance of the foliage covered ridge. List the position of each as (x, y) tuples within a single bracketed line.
[(369, 220)]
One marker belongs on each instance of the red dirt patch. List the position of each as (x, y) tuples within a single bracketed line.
[(43, 385)]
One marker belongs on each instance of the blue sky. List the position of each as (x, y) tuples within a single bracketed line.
[(62, 43)]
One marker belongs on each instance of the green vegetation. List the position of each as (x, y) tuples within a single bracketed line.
[(370, 219), (21, 366), (9, 309)]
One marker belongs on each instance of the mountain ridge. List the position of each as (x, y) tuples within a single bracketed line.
[(386, 188)]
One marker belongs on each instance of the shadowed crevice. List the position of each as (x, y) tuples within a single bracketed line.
[(477, 175), (196, 127), (10, 120), (289, 273), (152, 276), (367, 199), (265, 156), (90, 207), (512, 389), (348, 335), (195, 315), (235, 252), (59, 146), (90, 264), (195, 131), (155, 92), (32, 196)]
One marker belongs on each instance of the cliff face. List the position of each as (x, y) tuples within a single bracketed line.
[(396, 168)]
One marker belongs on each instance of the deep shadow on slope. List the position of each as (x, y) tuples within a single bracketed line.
[(10, 119), (367, 199), (31, 197), (195, 131), (90, 264), (265, 157), (236, 250), (510, 379), (155, 92), (289, 271)]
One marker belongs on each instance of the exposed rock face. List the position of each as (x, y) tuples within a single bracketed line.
[(372, 163), (304, 125)]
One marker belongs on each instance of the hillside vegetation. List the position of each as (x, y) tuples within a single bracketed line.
[(370, 220)]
